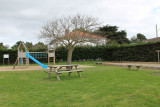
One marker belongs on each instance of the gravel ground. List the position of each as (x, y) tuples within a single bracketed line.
[(27, 68)]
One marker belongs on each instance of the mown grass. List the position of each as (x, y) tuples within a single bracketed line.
[(99, 86)]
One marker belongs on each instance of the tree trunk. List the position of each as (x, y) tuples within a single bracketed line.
[(69, 57)]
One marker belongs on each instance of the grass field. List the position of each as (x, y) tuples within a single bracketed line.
[(99, 86)]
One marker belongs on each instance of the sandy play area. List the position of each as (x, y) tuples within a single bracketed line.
[(27, 68)]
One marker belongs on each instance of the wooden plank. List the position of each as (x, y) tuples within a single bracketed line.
[(57, 76), (15, 63), (53, 72), (64, 71), (79, 74), (71, 71), (61, 65)]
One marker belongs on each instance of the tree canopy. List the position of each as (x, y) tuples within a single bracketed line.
[(138, 38), (30, 46), (2, 46), (112, 34)]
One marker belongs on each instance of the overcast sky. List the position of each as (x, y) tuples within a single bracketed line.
[(22, 19)]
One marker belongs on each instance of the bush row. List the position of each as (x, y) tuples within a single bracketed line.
[(131, 52)]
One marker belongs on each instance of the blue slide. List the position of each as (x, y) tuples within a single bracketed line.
[(35, 60)]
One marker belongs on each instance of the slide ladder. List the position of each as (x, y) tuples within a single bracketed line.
[(35, 60)]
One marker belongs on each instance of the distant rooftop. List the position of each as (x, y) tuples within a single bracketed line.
[(152, 40)]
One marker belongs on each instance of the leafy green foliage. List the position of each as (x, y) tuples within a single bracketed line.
[(15, 46), (39, 45), (141, 37), (138, 38), (30, 46), (134, 39), (112, 34), (3, 46)]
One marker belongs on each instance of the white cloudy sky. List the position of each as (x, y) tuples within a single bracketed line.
[(22, 19)]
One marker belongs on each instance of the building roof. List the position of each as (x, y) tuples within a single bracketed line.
[(152, 40), (79, 34)]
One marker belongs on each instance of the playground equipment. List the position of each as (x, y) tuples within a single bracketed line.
[(29, 56), (51, 54), (23, 57), (5, 56)]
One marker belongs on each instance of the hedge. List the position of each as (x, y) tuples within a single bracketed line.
[(127, 52)]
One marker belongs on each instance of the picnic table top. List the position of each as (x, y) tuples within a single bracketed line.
[(55, 66)]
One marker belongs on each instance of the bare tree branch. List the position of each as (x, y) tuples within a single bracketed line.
[(64, 31)]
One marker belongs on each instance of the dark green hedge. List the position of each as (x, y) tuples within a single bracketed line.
[(131, 52), (127, 52), (137, 52)]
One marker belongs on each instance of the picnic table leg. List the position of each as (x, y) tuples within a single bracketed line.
[(129, 67), (56, 71), (76, 67), (57, 76), (79, 74), (48, 75), (138, 67), (69, 73)]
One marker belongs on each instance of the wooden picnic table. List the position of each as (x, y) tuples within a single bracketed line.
[(59, 69)]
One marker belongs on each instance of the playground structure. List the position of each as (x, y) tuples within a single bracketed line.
[(23, 57)]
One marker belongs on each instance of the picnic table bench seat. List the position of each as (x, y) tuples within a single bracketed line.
[(137, 66), (98, 63)]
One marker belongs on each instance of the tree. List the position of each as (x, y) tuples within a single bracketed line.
[(67, 31), (107, 30), (29, 45), (120, 37), (141, 37), (138, 38), (40, 45), (134, 39), (112, 34), (3, 46), (15, 46)]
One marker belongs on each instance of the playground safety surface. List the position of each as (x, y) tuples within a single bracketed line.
[(28, 68), (144, 65)]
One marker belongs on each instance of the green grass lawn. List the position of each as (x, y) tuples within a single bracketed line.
[(99, 86)]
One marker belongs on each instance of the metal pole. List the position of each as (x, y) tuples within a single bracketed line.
[(156, 31)]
